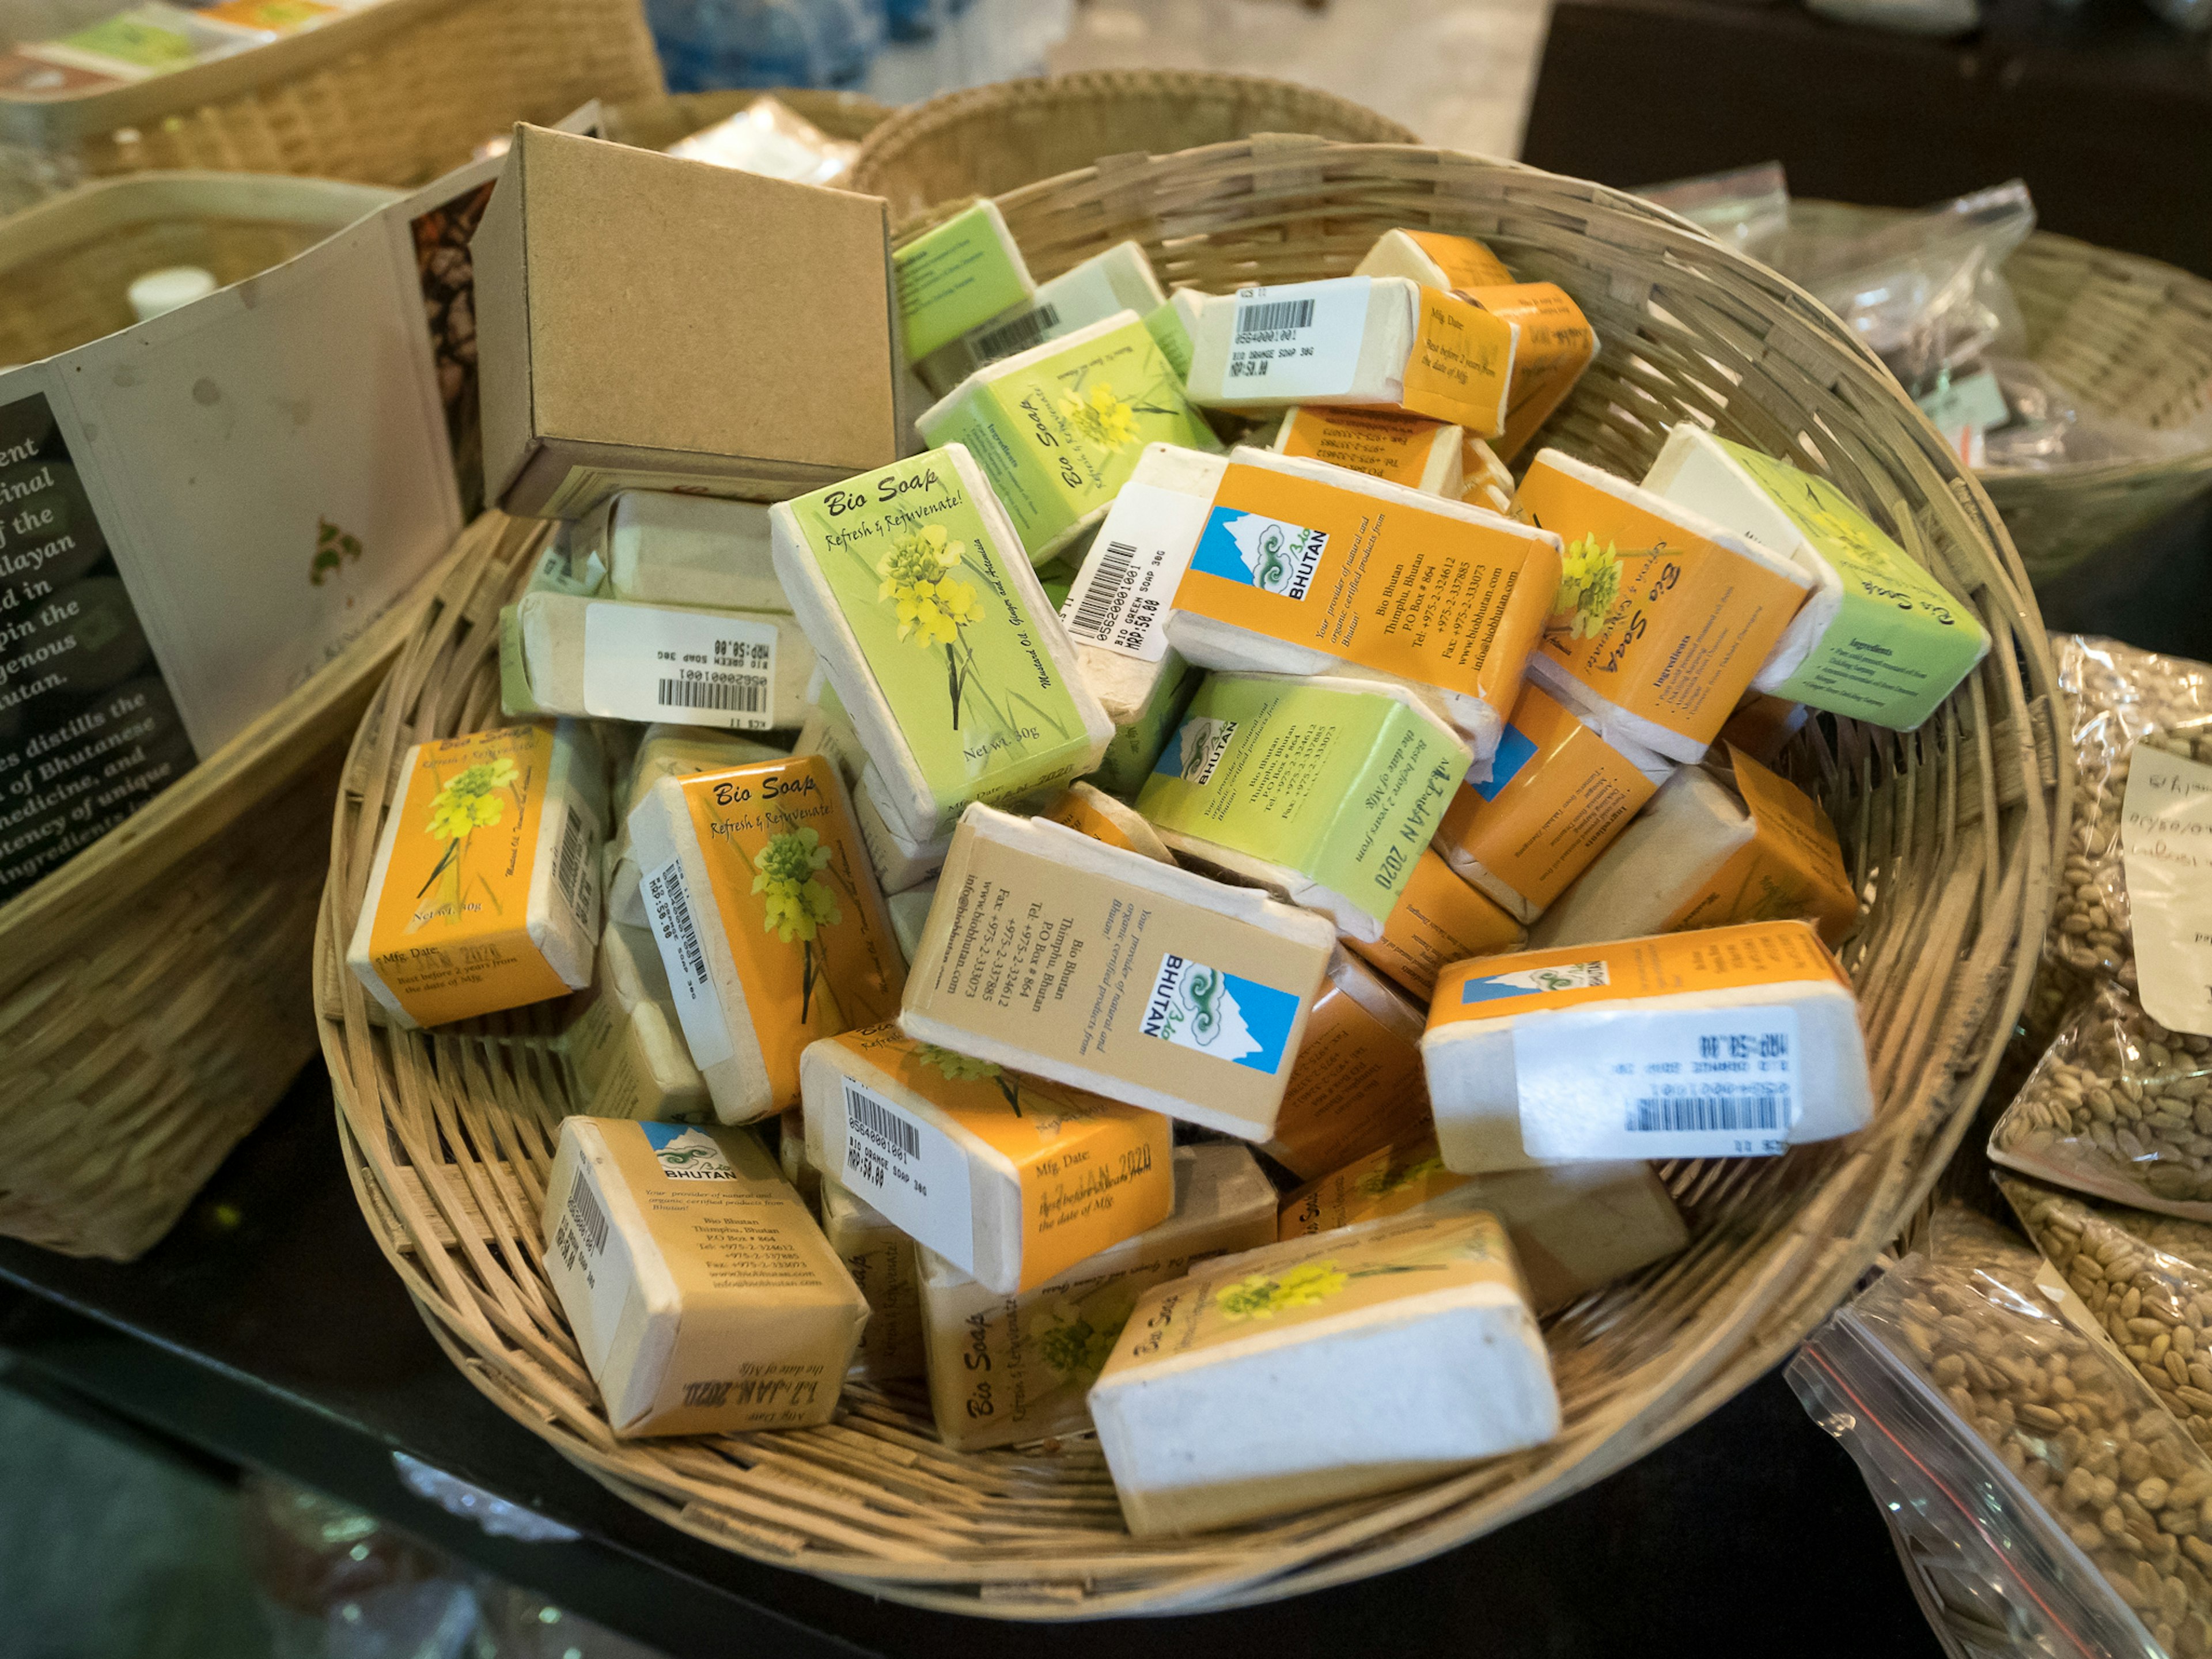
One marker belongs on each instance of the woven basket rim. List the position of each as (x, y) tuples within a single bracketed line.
[(102, 206), (1938, 1048)]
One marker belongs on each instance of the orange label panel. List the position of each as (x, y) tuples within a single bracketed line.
[(1555, 345), (1080, 816), (1356, 1085), (1460, 368), (1377, 441), (1792, 865), (1439, 919)]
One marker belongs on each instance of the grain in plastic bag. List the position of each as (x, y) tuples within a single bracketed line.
[(2042, 1501), (2118, 1107)]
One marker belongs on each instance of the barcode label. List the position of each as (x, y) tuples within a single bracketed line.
[(1698, 1113), (642, 661), (1302, 341), (572, 865), (745, 694), (1598, 1081), (1122, 596), (1016, 334), (668, 908), (591, 1220), (1271, 317), (911, 1171)]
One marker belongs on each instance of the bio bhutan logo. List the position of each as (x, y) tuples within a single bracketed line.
[(1195, 750), (1211, 1012), (687, 1154), (1269, 554)]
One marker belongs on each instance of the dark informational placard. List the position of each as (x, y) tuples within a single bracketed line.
[(89, 732)]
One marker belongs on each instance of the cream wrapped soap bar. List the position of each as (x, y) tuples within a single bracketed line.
[(1263, 563), (1008, 1369), (1731, 1042), (882, 1261), (768, 920), (1880, 639), (1058, 428), (1700, 857), (626, 1049), (484, 892), (1323, 792), (910, 915), (1403, 449), (1012, 1179), (930, 628), (746, 670), (1120, 279), (1090, 811), (1438, 919), (1358, 1084), (661, 548), (1434, 259), (1557, 795), (1663, 617), (900, 860), (1329, 1368), (665, 751), (1574, 1226), (1377, 341), (1056, 955), (703, 1296)]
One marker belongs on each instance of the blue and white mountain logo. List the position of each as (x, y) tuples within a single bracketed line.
[(687, 1154), (1195, 750), (1211, 1012), (1268, 554), (1535, 981)]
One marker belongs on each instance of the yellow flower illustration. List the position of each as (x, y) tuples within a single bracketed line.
[(794, 904), (470, 799), (1378, 1183), (1590, 586), (956, 1067), (1102, 417), (1076, 1338), (1265, 1295), (933, 605)]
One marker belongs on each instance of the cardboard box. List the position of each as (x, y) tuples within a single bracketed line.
[(647, 323)]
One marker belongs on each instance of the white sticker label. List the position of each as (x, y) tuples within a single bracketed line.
[(589, 1253), (1301, 340), (668, 908), (1712, 1083), (644, 663), (911, 1171), (1121, 596), (2166, 846)]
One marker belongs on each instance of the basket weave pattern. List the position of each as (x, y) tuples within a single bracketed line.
[(988, 140), (1951, 830)]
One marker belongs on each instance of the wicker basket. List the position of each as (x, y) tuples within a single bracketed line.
[(1952, 831), (68, 263), (2127, 336), (992, 139), (657, 122), (394, 94)]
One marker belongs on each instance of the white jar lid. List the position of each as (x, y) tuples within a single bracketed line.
[(161, 291)]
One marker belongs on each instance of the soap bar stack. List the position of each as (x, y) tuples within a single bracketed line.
[(1223, 897)]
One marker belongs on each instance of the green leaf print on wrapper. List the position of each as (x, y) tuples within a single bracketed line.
[(952, 645)]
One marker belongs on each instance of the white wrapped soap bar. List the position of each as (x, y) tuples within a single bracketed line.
[(960, 274), (910, 915), (1323, 792), (1058, 428), (768, 920), (484, 892), (1433, 258), (932, 630), (1265, 563), (1381, 341), (1726, 1042), (661, 548), (1056, 955), (1574, 1226), (626, 1049), (1880, 639), (881, 1261), (1092, 812), (1008, 1369), (741, 671), (665, 751), (1329, 1368), (1012, 1179), (1120, 279), (900, 860), (1699, 857), (1663, 617), (702, 1295)]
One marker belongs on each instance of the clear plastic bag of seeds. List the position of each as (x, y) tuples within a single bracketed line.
[(2118, 1107), (2122, 701), (2154, 1305), (2041, 1501)]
